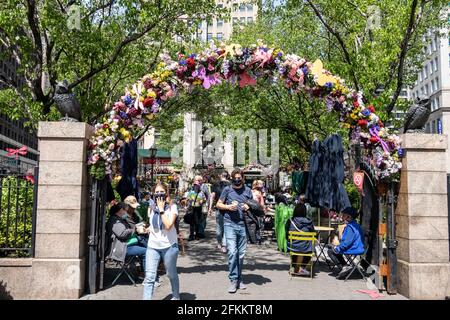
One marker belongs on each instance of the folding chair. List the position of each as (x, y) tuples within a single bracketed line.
[(351, 259), (303, 236), (125, 268)]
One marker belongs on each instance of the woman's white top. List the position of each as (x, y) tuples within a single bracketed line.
[(159, 237)]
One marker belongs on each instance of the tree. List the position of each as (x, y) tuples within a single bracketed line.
[(99, 46)]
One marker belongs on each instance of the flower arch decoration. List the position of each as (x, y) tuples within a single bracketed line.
[(242, 66)]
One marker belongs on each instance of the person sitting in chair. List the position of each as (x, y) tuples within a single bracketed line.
[(299, 222), (351, 242), (122, 237)]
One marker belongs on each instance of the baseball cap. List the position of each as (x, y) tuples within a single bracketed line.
[(131, 201)]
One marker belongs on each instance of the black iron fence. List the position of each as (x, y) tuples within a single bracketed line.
[(17, 213)]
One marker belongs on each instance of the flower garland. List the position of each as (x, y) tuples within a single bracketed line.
[(242, 66)]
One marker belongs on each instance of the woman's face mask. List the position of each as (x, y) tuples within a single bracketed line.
[(125, 216)]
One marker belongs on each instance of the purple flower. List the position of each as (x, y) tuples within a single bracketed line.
[(192, 56), (123, 115), (128, 100), (329, 85), (305, 70), (183, 62), (401, 152), (366, 112), (279, 54)]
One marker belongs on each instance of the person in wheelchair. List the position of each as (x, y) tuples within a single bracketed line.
[(351, 242), (122, 237), (300, 222)]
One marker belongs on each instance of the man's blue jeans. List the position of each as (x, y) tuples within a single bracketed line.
[(236, 240), (169, 256), (220, 234)]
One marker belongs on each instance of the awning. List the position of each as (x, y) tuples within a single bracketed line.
[(160, 153)]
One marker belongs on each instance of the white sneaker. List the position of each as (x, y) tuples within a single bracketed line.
[(173, 298)]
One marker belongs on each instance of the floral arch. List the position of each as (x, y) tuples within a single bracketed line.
[(233, 63)]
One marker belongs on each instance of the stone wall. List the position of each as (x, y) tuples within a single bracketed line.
[(422, 219), (15, 278)]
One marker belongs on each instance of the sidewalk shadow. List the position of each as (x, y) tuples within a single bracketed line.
[(255, 279), (183, 296)]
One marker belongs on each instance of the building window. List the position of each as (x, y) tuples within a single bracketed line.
[(431, 66), (209, 37), (210, 23), (242, 8), (219, 36), (242, 20), (249, 19), (220, 6), (219, 23), (432, 86), (235, 20), (235, 6), (438, 103), (425, 72), (249, 7)]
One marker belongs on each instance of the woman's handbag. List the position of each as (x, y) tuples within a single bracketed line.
[(189, 215)]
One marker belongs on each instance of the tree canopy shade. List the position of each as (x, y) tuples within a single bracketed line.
[(241, 66), (97, 45)]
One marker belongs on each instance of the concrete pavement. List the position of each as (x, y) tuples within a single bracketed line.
[(203, 275)]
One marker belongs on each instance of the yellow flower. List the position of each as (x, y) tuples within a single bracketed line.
[(197, 81), (117, 178), (150, 116), (125, 134), (151, 94)]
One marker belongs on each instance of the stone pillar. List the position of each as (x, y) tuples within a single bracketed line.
[(58, 270), (422, 219)]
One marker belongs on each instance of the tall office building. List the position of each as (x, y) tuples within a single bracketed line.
[(13, 133), (242, 12), (434, 82)]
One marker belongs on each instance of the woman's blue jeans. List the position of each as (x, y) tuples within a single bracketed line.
[(169, 256), (236, 239)]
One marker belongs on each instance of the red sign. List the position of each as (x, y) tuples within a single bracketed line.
[(157, 161), (358, 180)]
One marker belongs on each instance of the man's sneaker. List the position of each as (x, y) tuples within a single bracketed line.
[(224, 249), (174, 298), (219, 246), (344, 272), (233, 286), (242, 286)]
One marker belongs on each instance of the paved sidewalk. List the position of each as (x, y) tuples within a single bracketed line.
[(203, 275)]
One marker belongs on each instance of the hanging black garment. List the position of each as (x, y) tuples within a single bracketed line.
[(326, 176), (128, 168), (315, 174), (335, 196)]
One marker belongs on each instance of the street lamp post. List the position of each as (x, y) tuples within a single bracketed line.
[(153, 151)]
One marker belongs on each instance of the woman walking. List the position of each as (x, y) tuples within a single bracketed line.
[(162, 242)]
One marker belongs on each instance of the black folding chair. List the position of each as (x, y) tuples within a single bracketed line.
[(125, 268), (355, 260)]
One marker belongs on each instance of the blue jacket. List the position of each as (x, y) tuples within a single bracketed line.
[(352, 240)]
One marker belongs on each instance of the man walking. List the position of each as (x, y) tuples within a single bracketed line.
[(215, 194), (233, 202)]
